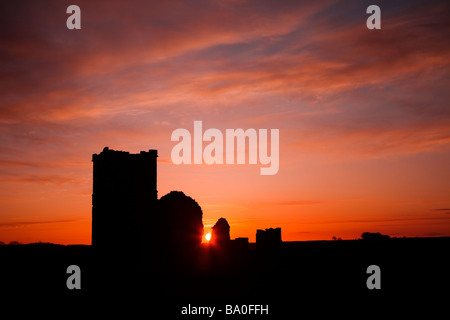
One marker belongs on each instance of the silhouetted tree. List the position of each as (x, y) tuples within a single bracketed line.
[(374, 236)]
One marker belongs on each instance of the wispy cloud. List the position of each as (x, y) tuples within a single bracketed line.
[(444, 210), (17, 224), (294, 203)]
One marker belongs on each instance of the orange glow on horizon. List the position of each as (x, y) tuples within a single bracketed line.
[(363, 116)]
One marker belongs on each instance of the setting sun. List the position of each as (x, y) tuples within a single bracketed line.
[(208, 236)]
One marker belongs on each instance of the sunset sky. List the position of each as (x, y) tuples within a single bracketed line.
[(364, 115)]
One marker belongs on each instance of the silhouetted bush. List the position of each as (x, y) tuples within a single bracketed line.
[(374, 236)]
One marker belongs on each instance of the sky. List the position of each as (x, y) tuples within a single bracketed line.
[(363, 115)]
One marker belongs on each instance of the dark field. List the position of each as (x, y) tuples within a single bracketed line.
[(325, 277)]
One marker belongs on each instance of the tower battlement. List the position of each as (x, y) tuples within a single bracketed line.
[(124, 196)]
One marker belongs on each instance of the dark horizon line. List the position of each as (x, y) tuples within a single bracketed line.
[(250, 243)]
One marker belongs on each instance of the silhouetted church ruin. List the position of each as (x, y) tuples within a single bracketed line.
[(127, 216), (220, 234), (181, 219), (124, 197)]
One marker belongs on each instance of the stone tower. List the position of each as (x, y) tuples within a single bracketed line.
[(124, 198)]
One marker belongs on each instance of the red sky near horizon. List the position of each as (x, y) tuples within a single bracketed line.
[(364, 115)]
